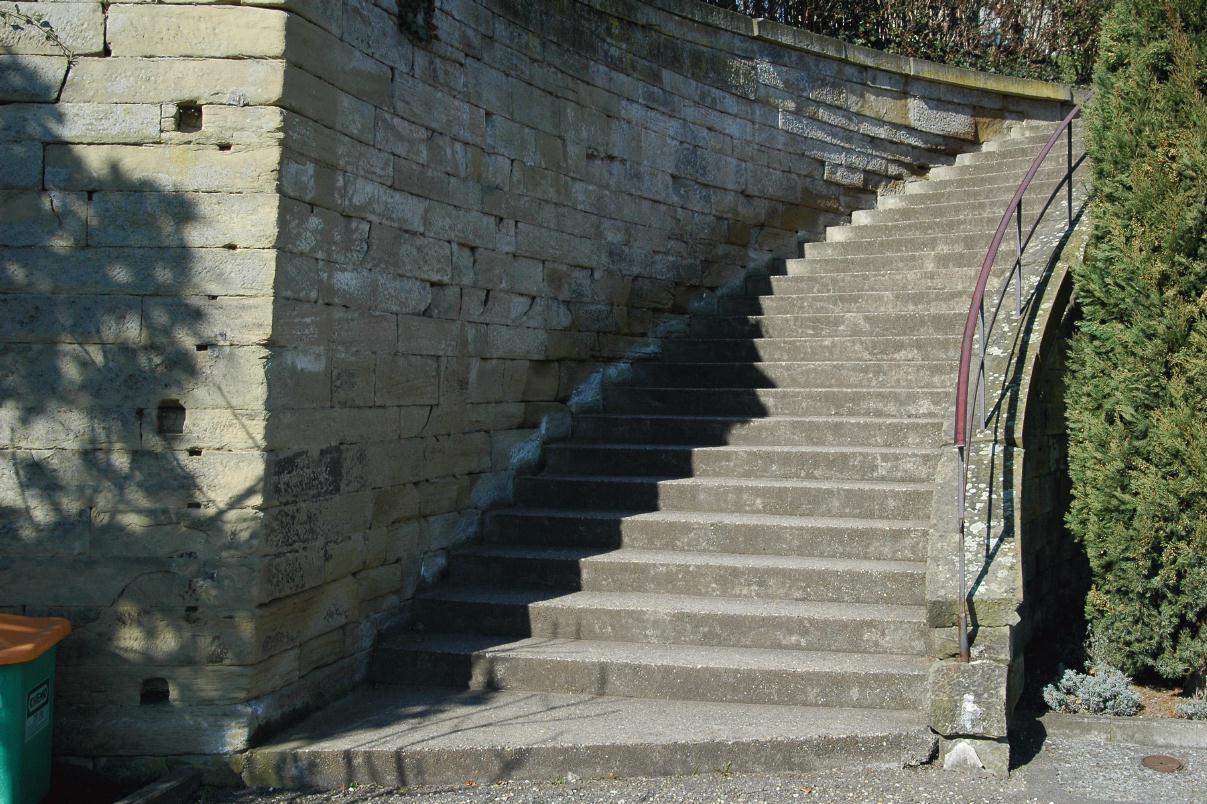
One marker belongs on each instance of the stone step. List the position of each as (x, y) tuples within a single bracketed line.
[(1003, 178), (994, 162), (854, 282), (1035, 139), (780, 430), (779, 350), (993, 208), (789, 463), (837, 498), (708, 575), (407, 736), (949, 322), (752, 534), (913, 244), (1008, 152), (864, 263), (904, 301), (757, 402), (999, 193), (674, 672), (671, 619), (814, 374), (972, 224)]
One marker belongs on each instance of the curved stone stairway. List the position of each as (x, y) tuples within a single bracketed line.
[(723, 567)]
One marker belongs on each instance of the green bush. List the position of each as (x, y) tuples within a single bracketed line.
[(1137, 391), (1103, 690), (1029, 38)]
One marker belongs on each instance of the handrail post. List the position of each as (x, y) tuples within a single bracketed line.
[(981, 381), (962, 613), (1018, 260), (1069, 172)]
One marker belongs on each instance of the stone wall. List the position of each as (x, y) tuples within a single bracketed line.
[(289, 297)]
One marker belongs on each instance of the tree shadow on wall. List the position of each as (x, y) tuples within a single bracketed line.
[(115, 385)]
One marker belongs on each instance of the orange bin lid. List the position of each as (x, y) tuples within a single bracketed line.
[(23, 639)]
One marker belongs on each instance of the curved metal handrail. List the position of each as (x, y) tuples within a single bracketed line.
[(976, 322)]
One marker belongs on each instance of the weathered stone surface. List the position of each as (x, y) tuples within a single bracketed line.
[(159, 219), (163, 168), (31, 218), (31, 78), (942, 118), (80, 122), (20, 166), (969, 699), (964, 755), (235, 82), (80, 27), (195, 30)]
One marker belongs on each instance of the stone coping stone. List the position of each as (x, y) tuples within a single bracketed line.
[(800, 39), (1157, 732)]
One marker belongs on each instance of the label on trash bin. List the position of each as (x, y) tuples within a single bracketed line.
[(37, 710)]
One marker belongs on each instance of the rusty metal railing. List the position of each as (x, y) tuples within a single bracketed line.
[(977, 328)]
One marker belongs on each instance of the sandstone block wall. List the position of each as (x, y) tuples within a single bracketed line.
[(287, 296)]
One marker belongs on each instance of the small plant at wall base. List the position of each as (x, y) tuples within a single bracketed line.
[(1193, 710), (1137, 388), (1102, 691)]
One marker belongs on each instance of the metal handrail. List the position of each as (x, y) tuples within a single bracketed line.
[(976, 323)]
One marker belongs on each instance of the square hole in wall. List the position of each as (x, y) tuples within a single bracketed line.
[(169, 417), (188, 117), (154, 691)]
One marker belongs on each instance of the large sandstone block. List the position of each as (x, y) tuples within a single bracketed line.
[(80, 27), (289, 622), (158, 30), (162, 168), (207, 322), (159, 219), (225, 126), (31, 78), (139, 271), (969, 700), (80, 122), (37, 318), (347, 67), (20, 165), (325, 103), (235, 82), (407, 380), (31, 218), (137, 376), (322, 233)]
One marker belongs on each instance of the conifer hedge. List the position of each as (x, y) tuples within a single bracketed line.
[(1137, 388)]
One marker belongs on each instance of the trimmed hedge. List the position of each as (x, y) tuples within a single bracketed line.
[(1137, 391), (1028, 38)]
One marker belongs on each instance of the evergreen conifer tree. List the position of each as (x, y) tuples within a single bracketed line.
[(1137, 392)]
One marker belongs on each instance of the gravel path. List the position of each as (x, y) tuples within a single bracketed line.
[(1064, 771)]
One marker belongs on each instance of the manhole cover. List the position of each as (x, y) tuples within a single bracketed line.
[(1162, 763)]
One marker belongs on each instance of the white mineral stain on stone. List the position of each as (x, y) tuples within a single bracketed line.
[(306, 361), (970, 714)]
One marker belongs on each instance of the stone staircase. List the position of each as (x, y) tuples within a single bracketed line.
[(724, 565)]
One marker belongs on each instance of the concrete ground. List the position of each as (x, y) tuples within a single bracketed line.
[(1060, 770)]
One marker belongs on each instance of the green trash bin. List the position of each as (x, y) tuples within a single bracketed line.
[(27, 650)]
